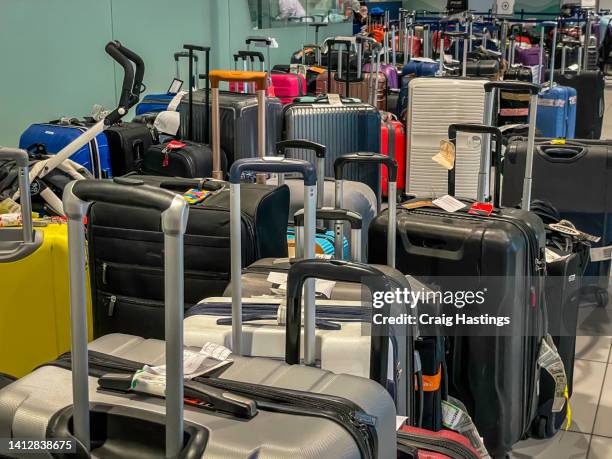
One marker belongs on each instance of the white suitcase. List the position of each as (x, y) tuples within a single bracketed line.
[(434, 104)]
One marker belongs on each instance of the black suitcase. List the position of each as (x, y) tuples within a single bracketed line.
[(590, 107), (482, 68), (575, 178), (128, 143), (126, 257), (519, 73), (495, 371)]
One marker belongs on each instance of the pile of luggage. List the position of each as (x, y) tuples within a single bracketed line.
[(185, 251)]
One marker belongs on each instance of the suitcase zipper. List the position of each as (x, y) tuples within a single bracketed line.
[(250, 226), (111, 305), (188, 274), (449, 448), (112, 301)]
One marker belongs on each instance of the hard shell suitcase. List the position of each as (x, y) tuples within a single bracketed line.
[(33, 320), (393, 143), (95, 155), (255, 393), (390, 72), (437, 246), (288, 86), (435, 103)]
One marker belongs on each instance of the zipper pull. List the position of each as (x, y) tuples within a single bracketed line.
[(166, 159), (364, 418), (111, 305), (104, 266)]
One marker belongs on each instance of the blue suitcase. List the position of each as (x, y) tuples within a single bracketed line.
[(154, 103), (414, 68), (557, 112), (95, 156)]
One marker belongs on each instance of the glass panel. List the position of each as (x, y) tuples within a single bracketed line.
[(268, 14)]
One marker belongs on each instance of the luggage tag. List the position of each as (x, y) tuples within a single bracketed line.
[(334, 100), (8, 206), (446, 155), (481, 208), (172, 145), (195, 195), (449, 203)]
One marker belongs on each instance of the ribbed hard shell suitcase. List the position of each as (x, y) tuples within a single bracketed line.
[(238, 123), (435, 103), (343, 129), (34, 321), (95, 155)]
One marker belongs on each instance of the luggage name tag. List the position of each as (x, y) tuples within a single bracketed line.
[(418, 204), (172, 145), (446, 155), (195, 195), (481, 208), (334, 100), (449, 203)]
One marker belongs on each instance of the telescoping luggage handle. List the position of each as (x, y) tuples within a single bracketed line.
[(319, 150), (554, 26), (279, 166), (485, 162), (371, 158), (331, 214), (532, 90), (22, 160), (347, 43), (78, 196), (185, 55), (261, 80), (191, 49)]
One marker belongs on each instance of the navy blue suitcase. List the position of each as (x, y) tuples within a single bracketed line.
[(154, 103), (95, 156)]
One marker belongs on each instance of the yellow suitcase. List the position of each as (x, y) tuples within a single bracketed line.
[(34, 287)]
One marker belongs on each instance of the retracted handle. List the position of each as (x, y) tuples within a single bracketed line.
[(260, 79), (317, 26), (339, 271), (133, 74), (22, 160), (278, 166), (328, 214), (285, 146), (78, 196), (533, 91), (374, 159), (457, 36), (330, 46), (184, 55), (485, 162), (192, 49)]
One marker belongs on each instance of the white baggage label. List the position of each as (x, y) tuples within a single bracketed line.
[(448, 203)]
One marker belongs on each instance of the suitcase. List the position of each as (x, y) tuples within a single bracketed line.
[(94, 156), (288, 86), (128, 143), (33, 320), (483, 69), (415, 443), (390, 72), (590, 106), (345, 128), (393, 143), (435, 103), (248, 397), (509, 247), (583, 201)]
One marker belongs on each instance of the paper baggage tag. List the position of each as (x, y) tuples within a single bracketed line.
[(176, 100), (417, 204), (8, 206), (601, 253), (448, 203), (400, 421), (334, 100), (8, 220), (446, 155), (481, 208)]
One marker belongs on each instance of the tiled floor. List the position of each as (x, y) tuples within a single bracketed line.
[(590, 434)]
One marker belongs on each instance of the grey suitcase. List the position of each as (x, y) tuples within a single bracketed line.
[(359, 416)]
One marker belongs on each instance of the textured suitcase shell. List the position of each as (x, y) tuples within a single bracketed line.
[(358, 89)]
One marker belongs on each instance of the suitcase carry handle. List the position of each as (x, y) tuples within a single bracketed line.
[(22, 161), (332, 214), (78, 195), (561, 154), (252, 55), (453, 129), (282, 166), (265, 40), (183, 54), (371, 158)]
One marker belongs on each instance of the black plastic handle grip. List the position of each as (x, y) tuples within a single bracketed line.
[(318, 25), (329, 214), (365, 157), (273, 165), (342, 271), (252, 55), (332, 41), (123, 191), (184, 54), (139, 75), (266, 40), (455, 34), (197, 48), (284, 145), (517, 86), (113, 50)]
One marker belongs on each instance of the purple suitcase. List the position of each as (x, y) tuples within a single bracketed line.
[(527, 56), (390, 72)]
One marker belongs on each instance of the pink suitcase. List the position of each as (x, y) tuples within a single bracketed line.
[(288, 86)]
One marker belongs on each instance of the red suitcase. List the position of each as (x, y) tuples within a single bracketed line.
[(393, 139), (413, 442), (288, 86)]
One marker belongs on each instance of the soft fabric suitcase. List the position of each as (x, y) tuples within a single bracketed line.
[(127, 143), (180, 158), (483, 69), (95, 155), (505, 256), (359, 416), (590, 106), (416, 443), (435, 103), (346, 128), (33, 320), (393, 144)]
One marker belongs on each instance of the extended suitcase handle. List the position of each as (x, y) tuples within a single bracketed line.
[(183, 54), (273, 165), (252, 55), (365, 157), (23, 161), (342, 271), (217, 76), (78, 195), (265, 40), (518, 86), (479, 129)]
